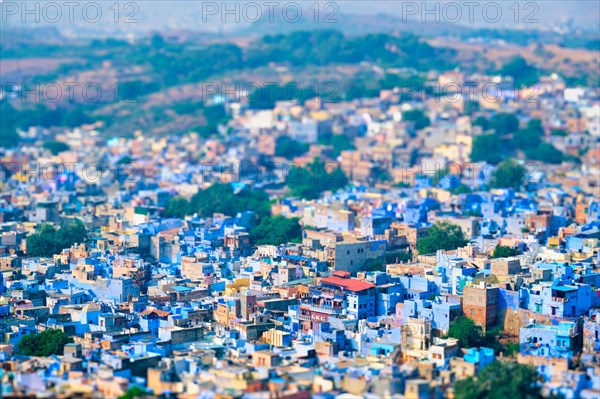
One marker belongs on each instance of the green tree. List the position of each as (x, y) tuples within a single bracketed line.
[(221, 198), (48, 342), (466, 331), (529, 138), (55, 147), (471, 107), (546, 153), (134, 392), (177, 207), (276, 230), (504, 252), (493, 148), (418, 117), (512, 348), (399, 256), (9, 122), (414, 156), (509, 174), (340, 143), (504, 123), (522, 73), (392, 80), (125, 160), (48, 241), (487, 148), (375, 266), (483, 122), (311, 181), (265, 97), (71, 232), (215, 115), (157, 41), (559, 132), (42, 242), (360, 86), (501, 380), (439, 175), (12, 119), (289, 148), (492, 336), (76, 118), (442, 235)]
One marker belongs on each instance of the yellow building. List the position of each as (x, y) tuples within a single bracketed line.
[(239, 285)]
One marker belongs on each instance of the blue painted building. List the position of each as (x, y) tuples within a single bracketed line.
[(559, 340), (480, 356)]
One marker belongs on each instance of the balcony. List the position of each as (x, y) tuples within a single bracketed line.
[(560, 300), (326, 309), (304, 316)]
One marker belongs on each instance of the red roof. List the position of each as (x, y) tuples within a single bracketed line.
[(348, 283), (158, 312), (341, 273)]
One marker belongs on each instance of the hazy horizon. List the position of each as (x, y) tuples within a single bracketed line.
[(140, 17)]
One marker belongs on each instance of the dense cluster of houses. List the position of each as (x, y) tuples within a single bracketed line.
[(191, 307)]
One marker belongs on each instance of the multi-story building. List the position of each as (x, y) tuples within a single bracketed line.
[(559, 299), (131, 267), (559, 340), (504, 267), (480, 303), (355, 256), (360, 295)]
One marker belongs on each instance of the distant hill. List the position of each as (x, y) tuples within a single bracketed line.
[(350, 24), (355, 17)]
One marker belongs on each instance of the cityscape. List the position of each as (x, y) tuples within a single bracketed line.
[(296, 200)]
